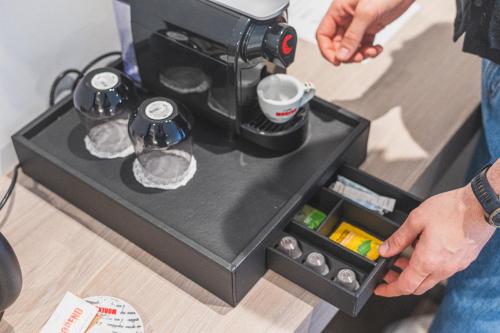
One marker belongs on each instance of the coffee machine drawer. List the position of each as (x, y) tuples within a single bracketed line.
[(348, 295)]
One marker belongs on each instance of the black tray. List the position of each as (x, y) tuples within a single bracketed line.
[(216, 229)]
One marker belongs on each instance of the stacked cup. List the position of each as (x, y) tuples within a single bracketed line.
[(104, 99), (161, 133), (158, 131)]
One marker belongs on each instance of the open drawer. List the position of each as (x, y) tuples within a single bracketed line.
[(338, 209)]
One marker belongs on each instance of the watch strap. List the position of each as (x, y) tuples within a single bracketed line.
[(486, 195)]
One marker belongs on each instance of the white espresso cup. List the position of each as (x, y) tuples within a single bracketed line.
[(281, 96)]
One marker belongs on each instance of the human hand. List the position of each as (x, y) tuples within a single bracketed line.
[(449, 230), (348, 30)]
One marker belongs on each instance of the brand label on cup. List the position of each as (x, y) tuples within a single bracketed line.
[(159, 110), (287, 113), (105, 81)]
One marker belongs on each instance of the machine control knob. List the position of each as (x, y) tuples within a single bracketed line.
[(280, 44)]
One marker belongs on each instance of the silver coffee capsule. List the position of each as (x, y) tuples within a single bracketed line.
[(347, 278), (317, 262), (290, 246)]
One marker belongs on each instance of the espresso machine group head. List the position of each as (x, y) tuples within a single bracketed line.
[(211, 54)]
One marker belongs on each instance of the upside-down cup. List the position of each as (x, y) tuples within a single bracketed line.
[(104, 99), (161, 134)]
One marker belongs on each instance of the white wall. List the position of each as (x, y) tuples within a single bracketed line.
[(38, 40)]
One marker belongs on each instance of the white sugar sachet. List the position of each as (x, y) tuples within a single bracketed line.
[(72, 315), (363, 196)]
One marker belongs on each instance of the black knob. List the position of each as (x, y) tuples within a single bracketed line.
[(280, 44)]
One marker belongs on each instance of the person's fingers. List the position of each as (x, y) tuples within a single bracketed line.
[(358, 57), (368, 40), (391, 276), (325, 35), (421, 266), (402, 238), (406, 284), (423, 263), (363, 18), (430, 282), (441, 273), (369, 51), (380, 290), (415, 242), (402, 263), (337, 39)]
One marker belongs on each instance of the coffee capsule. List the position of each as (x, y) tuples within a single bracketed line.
[(290, 246), (317, 262), (104, 99), (347, 278)]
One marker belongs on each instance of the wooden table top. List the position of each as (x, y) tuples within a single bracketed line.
[(418, 93)]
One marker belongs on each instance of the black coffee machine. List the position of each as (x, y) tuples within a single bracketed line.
[(211, 54)]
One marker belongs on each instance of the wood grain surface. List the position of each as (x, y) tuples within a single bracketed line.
[(63, 249)]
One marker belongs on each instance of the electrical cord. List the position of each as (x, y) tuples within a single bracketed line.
[(52, 98), (58, 80), (98, 59), (11, 187), (79, 75)]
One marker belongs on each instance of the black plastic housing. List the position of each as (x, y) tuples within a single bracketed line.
[(216, 229), (211, 59)]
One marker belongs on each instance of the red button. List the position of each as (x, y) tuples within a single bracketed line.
[(285, 48)]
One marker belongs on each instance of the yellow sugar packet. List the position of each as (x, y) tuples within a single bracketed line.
[(357, 240)]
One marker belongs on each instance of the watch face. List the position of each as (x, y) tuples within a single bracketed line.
[(495, 218)]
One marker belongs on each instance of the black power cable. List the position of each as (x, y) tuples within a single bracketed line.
[(58, 80), (98, 59), (11, 187), (52, 98), (80, 75)]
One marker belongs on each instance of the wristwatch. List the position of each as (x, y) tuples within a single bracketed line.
[(487, 197)]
